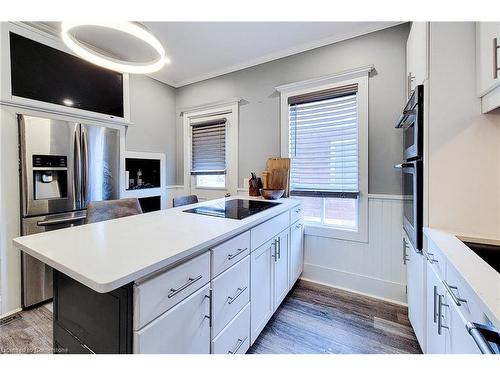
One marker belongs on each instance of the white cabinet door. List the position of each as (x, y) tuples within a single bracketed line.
[(420, 30), (261, 287), (410, 63), (184, 329), (281, 268), (417, 55), (488, 77), (296, 251), (458, 339), (436, 343), (415, 271)]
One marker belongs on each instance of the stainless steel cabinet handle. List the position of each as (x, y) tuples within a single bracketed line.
[(435, 304), (455, 299), (209, 317), (496, 68), (230, 300), (279, 247), (190, 282), (238, 346), (298, 210), (409, 81), (273, 254), (431, 259), (405, 256), (483, 335), (440, 314), (238, 252)]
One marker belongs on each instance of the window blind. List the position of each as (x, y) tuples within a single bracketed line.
[(324, 143), (208, 147)]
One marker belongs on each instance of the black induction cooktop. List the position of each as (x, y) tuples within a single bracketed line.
[(489, 253), (233, 209)]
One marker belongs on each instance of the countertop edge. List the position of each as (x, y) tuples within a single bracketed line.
[(108, 286)]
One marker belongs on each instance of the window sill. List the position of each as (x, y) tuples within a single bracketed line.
[(318, 230), (210, 188)]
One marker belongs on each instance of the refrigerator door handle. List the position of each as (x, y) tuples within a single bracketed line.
[(77, 168), (46, 223), (85, 166)]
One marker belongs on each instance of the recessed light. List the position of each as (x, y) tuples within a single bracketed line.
[(68, 102), (131, 28)]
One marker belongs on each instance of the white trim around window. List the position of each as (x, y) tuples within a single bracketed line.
[(229, 110), (356, 76)]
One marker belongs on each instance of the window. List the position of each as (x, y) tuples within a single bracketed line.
[(324, 152), (210, 134), (324, 132), (208, 153)]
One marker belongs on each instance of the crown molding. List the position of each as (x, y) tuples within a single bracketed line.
[(345, 74)]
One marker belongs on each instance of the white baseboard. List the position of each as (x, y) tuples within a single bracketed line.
[(360, 284), (10, 313)]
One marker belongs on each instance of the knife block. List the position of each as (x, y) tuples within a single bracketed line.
[(254, 187)]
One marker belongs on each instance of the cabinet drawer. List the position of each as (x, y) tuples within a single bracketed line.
[(296, 213), (230, 292), (267, 230), (463, 297), (230, 252), (235, 338), (155, 296), (184, 329)]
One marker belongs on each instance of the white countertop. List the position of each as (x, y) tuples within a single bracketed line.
[(107, 255), (480, 276)]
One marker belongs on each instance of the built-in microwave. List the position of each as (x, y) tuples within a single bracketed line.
[(411, 121), (412, 201)]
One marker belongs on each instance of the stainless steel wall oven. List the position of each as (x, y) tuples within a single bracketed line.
[(411, 122)]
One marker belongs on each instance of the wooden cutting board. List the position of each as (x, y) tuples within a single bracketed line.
[(279, 174)]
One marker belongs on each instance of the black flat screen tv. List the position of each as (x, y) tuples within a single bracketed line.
[(46, 74)]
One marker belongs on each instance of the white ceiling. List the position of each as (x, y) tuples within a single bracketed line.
[(202, 50)]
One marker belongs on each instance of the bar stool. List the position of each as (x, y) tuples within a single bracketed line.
[(112, 209), (185, 200)]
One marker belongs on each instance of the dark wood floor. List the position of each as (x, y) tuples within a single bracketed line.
[(318, 319), (28, 332), (312, 319)]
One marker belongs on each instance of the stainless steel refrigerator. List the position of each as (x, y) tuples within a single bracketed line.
[(64, 165)]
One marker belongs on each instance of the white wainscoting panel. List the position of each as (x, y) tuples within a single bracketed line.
[(374, 268)]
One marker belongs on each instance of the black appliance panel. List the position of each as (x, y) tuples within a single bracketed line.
[(411, 121), (46, 74), (233, 209), (489, 253)]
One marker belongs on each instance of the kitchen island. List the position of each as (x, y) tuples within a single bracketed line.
[(170, 281)]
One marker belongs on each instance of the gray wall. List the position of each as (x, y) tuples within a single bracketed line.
[(259, 131), (152, 110)]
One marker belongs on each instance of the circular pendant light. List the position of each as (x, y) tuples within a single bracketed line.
[(87, 53)]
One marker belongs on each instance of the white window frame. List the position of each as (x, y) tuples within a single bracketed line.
[(360, 77), (229, 110)]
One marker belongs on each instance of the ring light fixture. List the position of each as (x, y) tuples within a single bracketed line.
[(131, 28)]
